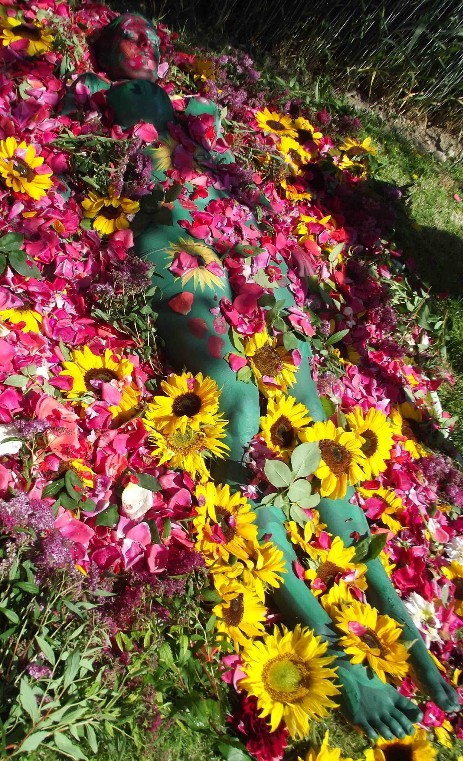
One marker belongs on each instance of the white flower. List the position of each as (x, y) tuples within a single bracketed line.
[(424, 617), (10, 441), (454, 549), (136, 501)]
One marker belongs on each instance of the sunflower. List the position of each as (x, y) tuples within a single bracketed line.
[(454, 572), (285, 418), (303, 537), (306, 131), (22, 170), (326, 753), (371, 637), (385, 503), (187, 450), (224, 523), (200, 264), (268, 564), (109, 213), (89, 373), (376, 431), (189, 401), (82, 470), (240, 615), (354, 148), (402, 429), (413, 748), (340, 594), (28, 319), (272, 121), (161, 155), (271, 364), (39, 39), (293, 153), (289, 675), (327, 567), (342, 458), (295, 189)]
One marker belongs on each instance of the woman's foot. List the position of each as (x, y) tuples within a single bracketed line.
[(375, 707)]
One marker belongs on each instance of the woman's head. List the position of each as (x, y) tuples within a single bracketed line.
[(128, 48)]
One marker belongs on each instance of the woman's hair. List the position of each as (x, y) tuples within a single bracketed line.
[(102, 41)]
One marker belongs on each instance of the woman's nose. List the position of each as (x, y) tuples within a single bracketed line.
[(143, 41)]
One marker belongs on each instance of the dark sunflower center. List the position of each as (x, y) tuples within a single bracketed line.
[(282, 433), (28, 31), (110, 212), (267, 360), (304, 135), (458, 589), (277, 126), (337, 457), (398, 752), (371, 640), (233, 615), (187, 404), (94, 378), (370, 447), (328, 572), (226, 522), (294, 156), (23, 169)]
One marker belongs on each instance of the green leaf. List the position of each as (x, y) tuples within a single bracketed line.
[(290, 341), (244, 374), (64, 350), (18, 381), (336, 337), (71, 668), (328, 407), (22, 265), (377, 544), (27, 586), (165, 656), (167, 527), (108, 517), (28, 700), (146, 481), (2, 263), (305, 459), (73, 485), (46, 649), (64, 744), (299, 490), (11, 242), (229, 753), (297, 514), (11, 615), (278, 473), (91, 738), (33, 741)]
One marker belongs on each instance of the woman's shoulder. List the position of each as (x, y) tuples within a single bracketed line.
[(140, 100)]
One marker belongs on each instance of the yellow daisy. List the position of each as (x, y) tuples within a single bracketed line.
[(354, 148), (454, 572), (342, 458), (189, 401), (303, 537), (272, 121), (224, 523), (327, 567), (326, 753), (340, 594), (280, 427), (31, 319), (295, 189), (271, 364), (40, 40), (389, 504), (240, 615), (187, 450), (209, 271), (372, 638), (376, 431), (18, 165), (293, 153), (82, 470), (109, 213), (289, 675), (403, 431), (90, 371), (413, 748)]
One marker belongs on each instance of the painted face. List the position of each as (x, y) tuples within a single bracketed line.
[(136, 50)]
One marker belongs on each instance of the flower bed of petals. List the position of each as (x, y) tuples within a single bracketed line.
[(105, 492)]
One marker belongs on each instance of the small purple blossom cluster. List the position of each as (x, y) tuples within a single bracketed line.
[(445, 477)]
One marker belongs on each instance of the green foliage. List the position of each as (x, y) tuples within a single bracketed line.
[(294, 493), (12, 255)]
